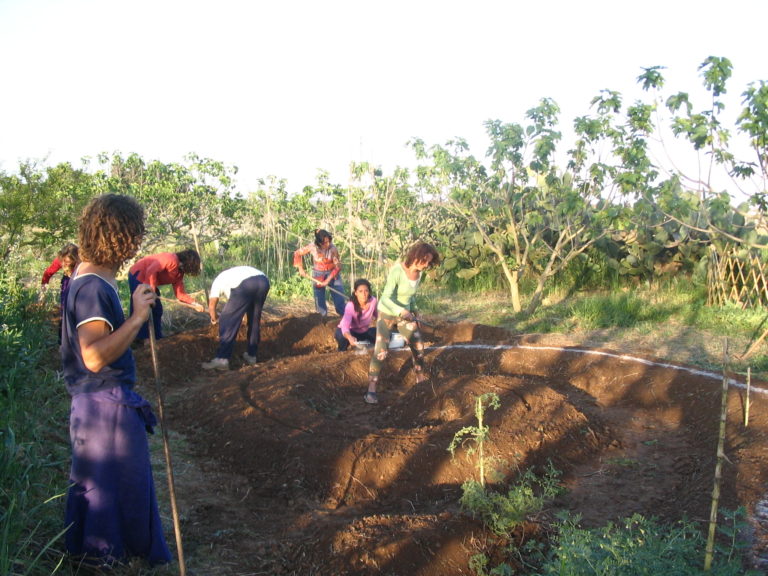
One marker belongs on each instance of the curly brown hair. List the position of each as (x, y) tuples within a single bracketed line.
[(419, 251), (190, 262), (111, 230)]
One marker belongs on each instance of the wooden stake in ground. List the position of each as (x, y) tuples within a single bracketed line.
[(166, 449), (719, 466), (746, 400)]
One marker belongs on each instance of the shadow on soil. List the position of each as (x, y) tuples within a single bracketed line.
[(281, 468)]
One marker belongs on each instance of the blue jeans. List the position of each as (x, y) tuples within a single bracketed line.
[(339, 300)]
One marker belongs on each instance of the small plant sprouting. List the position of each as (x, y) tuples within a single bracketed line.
[(477, 434), (501, 513)]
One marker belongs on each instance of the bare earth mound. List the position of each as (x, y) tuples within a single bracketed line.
[(281, 468)]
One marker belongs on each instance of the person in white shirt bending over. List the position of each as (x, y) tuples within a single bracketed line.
[(245, 289)]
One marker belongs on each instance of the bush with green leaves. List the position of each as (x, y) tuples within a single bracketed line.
[(639, 546), (502, 512)]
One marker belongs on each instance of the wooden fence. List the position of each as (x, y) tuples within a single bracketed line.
[(740, 279)]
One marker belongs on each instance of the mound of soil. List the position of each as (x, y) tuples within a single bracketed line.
[(281, 468)]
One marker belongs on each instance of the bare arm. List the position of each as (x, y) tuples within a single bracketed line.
[(100, 347), (212, 303)]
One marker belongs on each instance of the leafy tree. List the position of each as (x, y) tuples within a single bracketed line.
[(529, 214), (385, 216), (40, 208), (18, 206), (698, 204), (185, 204), (67, 191)]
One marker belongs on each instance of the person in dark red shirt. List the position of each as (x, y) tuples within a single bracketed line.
[(161, 269), (66, 260)]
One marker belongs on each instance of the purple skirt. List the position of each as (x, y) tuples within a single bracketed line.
[(111, 511)]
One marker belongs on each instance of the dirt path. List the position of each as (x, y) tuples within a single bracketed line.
[(282, 469)]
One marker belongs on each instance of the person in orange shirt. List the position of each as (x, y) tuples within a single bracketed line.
[(161, 269), (326, 271)]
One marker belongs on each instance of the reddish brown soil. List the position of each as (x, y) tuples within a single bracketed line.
[(281, 468)]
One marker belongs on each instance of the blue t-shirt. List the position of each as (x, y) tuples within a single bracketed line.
[(91, 298)]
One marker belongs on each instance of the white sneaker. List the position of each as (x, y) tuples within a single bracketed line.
[(249, 359), (217, 364)]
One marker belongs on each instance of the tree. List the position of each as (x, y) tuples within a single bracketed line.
[(702, 203), (384, 217), (529, 214), (41, 208), (184, 203)]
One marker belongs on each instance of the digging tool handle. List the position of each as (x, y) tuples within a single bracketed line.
[(180, 303), (329, 288), (166, 448)]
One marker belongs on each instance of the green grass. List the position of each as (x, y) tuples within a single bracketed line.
[(33, 412), (671, 322)]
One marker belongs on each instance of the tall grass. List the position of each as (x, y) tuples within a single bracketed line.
[(621, 310), (34, 458)]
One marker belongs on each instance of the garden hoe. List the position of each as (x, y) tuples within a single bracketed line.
[(329, 288), (166, 448)]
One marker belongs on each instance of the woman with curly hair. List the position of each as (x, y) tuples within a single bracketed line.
[(158, 270), (111, 511), (396, 310)]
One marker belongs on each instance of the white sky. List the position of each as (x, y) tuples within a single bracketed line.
[(286, 87)]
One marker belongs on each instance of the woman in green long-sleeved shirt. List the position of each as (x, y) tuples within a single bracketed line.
[(395, 309)]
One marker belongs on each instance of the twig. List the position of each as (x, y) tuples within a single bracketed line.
[(753, 347), (371, 494)]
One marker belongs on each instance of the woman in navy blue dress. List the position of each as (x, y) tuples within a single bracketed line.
[(111, 512)]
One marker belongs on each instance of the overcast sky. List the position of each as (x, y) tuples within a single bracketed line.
[(286, 88)]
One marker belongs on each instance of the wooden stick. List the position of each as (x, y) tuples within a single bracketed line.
[(746, 401), (308, 277), (180, 303), (166, 448), (202, 268), (719, 466), (753, 347)]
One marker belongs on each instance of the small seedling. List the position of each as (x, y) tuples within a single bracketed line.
[(477, 435)]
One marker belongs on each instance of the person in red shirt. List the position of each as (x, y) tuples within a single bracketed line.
[(66, 261), (161, 269), (326, 271)]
